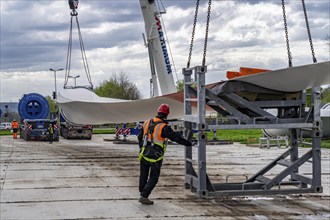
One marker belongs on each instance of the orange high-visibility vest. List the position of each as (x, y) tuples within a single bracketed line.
[(154, 138), (14, 124)]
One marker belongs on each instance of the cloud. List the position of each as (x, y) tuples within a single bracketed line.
[(34, 37)]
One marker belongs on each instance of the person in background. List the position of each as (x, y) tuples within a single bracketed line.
[(14, 126), (50, 131), (152, 142)]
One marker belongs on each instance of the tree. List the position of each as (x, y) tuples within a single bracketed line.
[(180, 85), (118, 87), (325, 95), (52, 104)]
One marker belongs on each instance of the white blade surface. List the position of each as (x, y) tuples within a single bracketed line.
[(292, 79), (81, 106)]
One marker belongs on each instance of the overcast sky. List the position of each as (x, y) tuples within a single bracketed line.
[(34, 38)]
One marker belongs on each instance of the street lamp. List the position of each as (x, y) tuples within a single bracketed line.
[(55, 95), (75, 79)]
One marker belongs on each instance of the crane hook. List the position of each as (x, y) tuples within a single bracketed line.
[(73, 5)]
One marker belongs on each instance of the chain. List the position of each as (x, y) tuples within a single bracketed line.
[(193, 34), (206, 33), (286, 35), (309, 32)]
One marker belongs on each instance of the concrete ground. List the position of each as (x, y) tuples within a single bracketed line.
[(81, 179)]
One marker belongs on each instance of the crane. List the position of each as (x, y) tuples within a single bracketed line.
[(161, 69)]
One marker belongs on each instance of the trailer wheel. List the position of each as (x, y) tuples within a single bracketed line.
[(65, 133)]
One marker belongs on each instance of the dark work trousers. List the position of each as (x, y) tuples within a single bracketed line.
[(50, 138), (148, 183)]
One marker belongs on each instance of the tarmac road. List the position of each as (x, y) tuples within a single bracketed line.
[(81, 179)]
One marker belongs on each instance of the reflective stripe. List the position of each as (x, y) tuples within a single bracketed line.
[(145, 127), (149, 159), (152, 160), (158, 135), (141, 153)]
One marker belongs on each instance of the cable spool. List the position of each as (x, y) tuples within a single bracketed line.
[(33, 106)]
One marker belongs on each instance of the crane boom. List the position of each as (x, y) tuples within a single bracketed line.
[(158, 54)]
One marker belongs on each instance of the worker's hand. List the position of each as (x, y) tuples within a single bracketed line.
[(188, 144)]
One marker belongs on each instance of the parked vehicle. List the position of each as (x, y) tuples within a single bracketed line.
[(5, 126)]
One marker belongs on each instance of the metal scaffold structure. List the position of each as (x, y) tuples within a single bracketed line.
[(245, 107)]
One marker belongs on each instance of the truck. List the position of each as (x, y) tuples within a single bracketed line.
[(33, 110), (36, 129), (71, 131)]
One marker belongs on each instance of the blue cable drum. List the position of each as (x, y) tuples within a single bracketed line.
[(33, 106)]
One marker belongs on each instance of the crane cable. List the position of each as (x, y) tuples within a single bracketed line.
[(286, 35), (193, 33), (74, 13), (68, 57), (308, 31), (206, 34)]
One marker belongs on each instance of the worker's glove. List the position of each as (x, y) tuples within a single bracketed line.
[(188, 144)]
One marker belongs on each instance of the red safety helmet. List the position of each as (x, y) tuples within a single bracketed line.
[(164, 108)]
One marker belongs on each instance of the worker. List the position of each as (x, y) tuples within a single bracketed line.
[(50, 131), (14, 126), (152, 141)]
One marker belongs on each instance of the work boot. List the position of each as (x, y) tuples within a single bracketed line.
[(146, 201)]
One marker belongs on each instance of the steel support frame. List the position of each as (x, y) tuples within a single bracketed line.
[(258, 184)]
